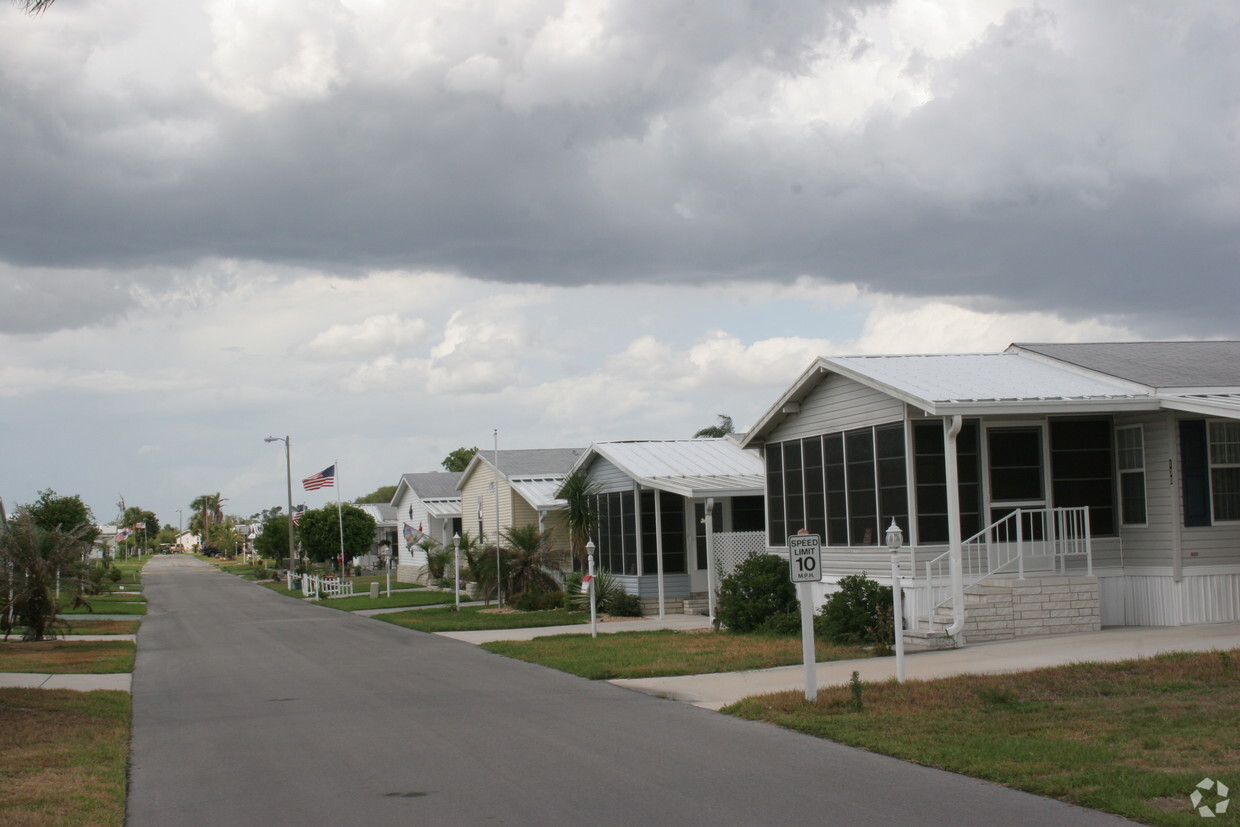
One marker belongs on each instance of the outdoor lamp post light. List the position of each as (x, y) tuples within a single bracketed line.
[(589, 581), (456, 556), (288, 471), (895, 539)]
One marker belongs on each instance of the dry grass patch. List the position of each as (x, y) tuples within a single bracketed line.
[(1131, 738), (68, 657), (664, 653), (76, 626), (63, 756)]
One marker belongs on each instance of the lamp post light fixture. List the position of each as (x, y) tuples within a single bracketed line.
[(593, 593), (895, 539), (456, 556), (288, 470)]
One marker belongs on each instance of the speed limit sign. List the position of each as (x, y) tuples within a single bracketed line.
[(805, 558)]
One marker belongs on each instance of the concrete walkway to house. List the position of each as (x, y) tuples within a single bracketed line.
[(639, 624), (82, 683), (1121, 643)]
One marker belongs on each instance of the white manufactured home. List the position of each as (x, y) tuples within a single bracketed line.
[(424, 506), (655, 499), (1049, 488)]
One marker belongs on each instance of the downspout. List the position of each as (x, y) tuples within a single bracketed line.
[(951, 429)]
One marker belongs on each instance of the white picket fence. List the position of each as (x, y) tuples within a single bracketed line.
[(312, 585)]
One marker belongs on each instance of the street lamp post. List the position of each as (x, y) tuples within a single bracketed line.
[(895, 539), (288, 470), (593, 595), (456, 556)]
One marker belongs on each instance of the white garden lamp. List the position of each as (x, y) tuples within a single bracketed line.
[(456, 555), (895, 539), (589, 583)]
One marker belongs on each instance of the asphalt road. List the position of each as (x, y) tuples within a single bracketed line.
[(251, 708)]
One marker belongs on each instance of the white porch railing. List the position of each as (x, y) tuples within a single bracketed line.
[(1050, 534), (312, 585)]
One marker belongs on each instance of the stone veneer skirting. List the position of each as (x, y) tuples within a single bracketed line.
[(1002, 609)]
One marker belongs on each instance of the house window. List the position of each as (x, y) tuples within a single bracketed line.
[(1130, 461), (815, 487), (1225, 470), (748, 514), (1081, 472), (930, 476), (862, 488), (837, 489)]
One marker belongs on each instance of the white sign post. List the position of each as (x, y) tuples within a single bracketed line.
[(805, 567)]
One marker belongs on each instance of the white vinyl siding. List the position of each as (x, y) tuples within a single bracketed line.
[(838, 404), (608, 477)]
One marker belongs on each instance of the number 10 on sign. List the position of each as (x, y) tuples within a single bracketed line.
[(805, 558)]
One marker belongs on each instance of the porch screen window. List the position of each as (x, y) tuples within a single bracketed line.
[(1130, 460), (834, 485), (815, 487), (930, 478), (837, 489), (672, 511), (1081, 466), (778, 526), (1225, 469), (617, 533)]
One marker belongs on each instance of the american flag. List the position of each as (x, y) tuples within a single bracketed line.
[(324, 479), (301, 509)]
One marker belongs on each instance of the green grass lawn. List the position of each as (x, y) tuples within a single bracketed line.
[(80, 625), (664, 652), (1130, 738), (397, 600), (105, 605), (68, 657), (472, 618), (63, 756)]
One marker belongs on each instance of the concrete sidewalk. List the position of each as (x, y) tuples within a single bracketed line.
[(1122, 643), (121, 681), (637, 624)]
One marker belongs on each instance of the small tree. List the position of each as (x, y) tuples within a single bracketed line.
[(320, 531), (31, 558), (581, 517), (458, 460), (272, 541), (528, 552)]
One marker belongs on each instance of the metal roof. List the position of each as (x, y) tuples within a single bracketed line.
[(540, 492), (983, 382), (443, 508), (530, 462), (1154, 364), (382, 512), (433, 484), (689, 467)]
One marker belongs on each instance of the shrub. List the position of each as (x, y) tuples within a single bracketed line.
[(624, 605), (758, 593), (858, 613), (114, 575), (538, 601)]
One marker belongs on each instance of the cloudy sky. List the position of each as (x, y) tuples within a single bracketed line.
[(390, 228)]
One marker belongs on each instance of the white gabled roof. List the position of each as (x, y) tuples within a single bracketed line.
[(982, 382), (689, 467)]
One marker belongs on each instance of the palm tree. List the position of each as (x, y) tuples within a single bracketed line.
[(34, 6), (31, 558), (208, 510), (528, 552), (581, 518)]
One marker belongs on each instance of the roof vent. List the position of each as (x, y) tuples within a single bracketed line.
[(791, 407)]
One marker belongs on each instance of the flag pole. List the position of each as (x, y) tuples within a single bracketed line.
[(340, 520)]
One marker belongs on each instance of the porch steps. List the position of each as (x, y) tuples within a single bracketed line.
[(697, 604)]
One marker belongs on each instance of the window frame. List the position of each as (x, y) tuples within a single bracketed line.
[(1135, 471), (1213, 466)]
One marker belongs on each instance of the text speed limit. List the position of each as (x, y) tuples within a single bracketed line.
[(805, 558)]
